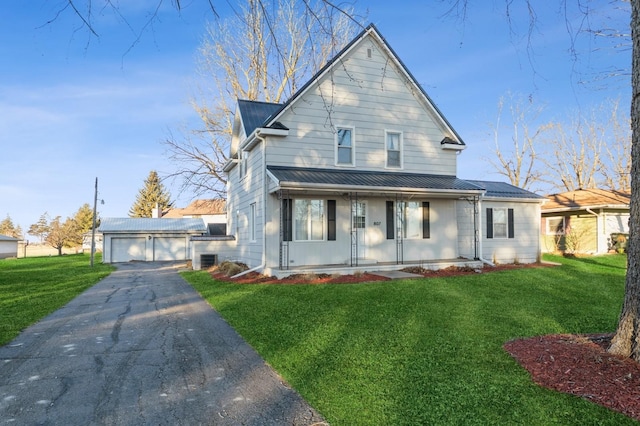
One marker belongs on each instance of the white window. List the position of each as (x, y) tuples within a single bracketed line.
[(500, 223), (309, 220), (243, 157), (344, 146), (410, 219), (394, 149), (555, 225), (252, 222)]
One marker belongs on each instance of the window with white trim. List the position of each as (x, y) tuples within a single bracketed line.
[(308, 220), (555, 225), (344, 146), (243, 158), (252, 222), (499, 223), (394, 149), (410, 219)]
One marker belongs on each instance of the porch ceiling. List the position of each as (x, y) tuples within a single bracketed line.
[(369, 182)]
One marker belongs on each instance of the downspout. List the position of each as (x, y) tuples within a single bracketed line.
[(264, 208), (479, 241)]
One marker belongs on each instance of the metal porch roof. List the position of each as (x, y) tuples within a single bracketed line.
[(295, 177), (504, 190)]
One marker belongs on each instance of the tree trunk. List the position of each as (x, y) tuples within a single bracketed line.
[(626, 341)]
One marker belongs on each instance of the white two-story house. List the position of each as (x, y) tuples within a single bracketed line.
[(357, 171)]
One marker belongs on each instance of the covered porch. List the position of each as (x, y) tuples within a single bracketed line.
[(337, 221)]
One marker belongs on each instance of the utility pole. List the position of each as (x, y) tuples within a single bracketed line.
[(93, 227)]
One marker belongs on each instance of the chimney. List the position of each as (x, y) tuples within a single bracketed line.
[(156, 212)]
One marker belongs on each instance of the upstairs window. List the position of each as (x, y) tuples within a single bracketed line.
[(344, 146), (394, 149)]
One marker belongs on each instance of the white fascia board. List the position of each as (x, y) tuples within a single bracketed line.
[(380, 189), (514, 200), (266, 131), (453, 146), (603, 206)]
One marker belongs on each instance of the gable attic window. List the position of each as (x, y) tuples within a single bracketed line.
[(344, 146), (394, 149)]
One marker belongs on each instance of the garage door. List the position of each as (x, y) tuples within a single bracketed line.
[(169, 248), (127, 249)]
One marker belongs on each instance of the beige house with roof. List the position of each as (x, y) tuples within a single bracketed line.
[(591, 221)]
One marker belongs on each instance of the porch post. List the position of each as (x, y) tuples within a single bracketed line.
[(477, 225)]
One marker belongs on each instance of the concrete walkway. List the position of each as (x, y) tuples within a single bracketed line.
[(141, 347)]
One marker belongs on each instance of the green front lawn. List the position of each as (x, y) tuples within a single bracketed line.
[(33, 287), (426, 351)]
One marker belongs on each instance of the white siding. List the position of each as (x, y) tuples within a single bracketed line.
[(441, 245), (370, 95), (242, 192), (525, 246), (8, 249)]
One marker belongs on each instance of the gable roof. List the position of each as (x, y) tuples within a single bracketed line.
[(255, 113), (200, 208), (586, 198), (504, 190), (145, 225), (269, 113), (344, 180), (8, 238)]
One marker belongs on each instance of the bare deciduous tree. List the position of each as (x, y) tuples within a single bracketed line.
[(573, 159), (262, 53), (616, 159), (518, 160), (589, 152)]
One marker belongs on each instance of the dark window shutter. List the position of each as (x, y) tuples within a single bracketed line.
[(287, 220), (390, 220), (489, 222), (331, 220), (426, 228), (510, 223)]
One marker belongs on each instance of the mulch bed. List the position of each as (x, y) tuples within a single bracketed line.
[(580, 365), (256, 278)]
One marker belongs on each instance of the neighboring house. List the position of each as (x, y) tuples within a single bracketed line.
[(86, 241), (357, 170), (147, 239), (8, 247), (213, 212), (585, 221)]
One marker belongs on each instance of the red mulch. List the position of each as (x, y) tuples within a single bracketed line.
[(580, 365), (256, 278)]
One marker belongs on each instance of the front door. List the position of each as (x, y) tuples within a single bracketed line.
[(359, 228)]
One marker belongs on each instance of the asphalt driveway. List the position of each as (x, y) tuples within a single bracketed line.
[(141, 347)]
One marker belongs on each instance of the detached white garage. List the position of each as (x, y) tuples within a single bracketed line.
[(144, 239)]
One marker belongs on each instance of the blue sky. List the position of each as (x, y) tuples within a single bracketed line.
[(75, 107)]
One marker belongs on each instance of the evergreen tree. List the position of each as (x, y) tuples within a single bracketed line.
[(151, 194), (9, 229), (40, 229)]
